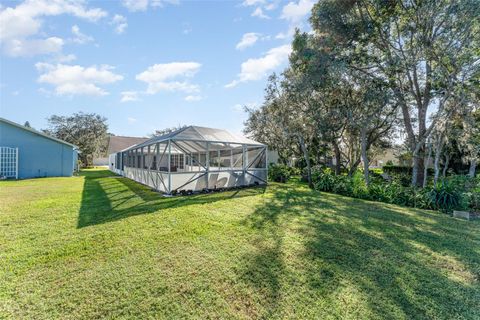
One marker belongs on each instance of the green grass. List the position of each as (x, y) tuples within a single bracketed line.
[(101, 246)]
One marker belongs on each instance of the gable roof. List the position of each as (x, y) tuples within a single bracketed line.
[(197, 133), (118, 143), (37, 132)]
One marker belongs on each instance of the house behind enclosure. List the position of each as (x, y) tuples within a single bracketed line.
[(116, 144), (28, 153), (193, 159)]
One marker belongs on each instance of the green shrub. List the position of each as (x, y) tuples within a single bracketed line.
[(294, 171), (446, 197), (470, 188), (323, 179), (343, 185), (278, 172), (403, 174), (359, 187), (392, 169), (455, 192)]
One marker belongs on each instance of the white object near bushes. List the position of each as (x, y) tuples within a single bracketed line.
[(464, 215)]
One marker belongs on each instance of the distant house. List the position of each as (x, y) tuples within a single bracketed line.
[(389, 155), (116, 144), (28, 153)]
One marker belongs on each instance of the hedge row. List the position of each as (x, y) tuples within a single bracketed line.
[(453, 193)]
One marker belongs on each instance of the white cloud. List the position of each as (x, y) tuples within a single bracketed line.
[(248, 40), (258, 12), (192, 98), (131, 120), (253, 2), (65, 58), (187, 28), (270, 6), (120, 23), (295, 12), (170, 77), (129, 96), (45, 92), (142, 5), (75, 79), (241, 107), (28, 48), (80, 38), (135, 5), (255, 69), (20, 26), (282, 35), (162, 3), (260, 5), (238, 107)]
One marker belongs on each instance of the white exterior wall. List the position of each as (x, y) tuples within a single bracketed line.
[(198, 180)]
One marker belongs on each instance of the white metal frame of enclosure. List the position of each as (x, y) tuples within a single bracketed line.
[(9, 162), (143, 163)]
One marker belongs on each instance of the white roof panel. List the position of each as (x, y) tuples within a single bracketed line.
[(200, 134)]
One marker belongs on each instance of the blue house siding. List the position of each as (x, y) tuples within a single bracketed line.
[(38, 156)]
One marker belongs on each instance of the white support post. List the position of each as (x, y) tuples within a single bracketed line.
[(266, 163), (266, 158), (169, 166), (244, 163), (245, 158), (207, 157), (157, 158), (16, 163)]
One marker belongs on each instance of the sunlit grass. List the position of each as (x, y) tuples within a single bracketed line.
[(99, 246)]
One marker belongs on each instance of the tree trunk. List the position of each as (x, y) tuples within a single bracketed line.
[(425, 165), (336, 150), (447, 160), (416, 159), (365, 156), (473, 166), (354, 167), (438, 153), (418, 167), (307, 160)]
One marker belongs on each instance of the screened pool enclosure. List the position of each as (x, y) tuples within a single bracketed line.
[(194, 159)]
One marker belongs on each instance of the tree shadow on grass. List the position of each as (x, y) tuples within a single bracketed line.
[(108, 197), (403, 263)]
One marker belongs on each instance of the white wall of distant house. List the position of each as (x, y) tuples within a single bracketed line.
[(100, 161)]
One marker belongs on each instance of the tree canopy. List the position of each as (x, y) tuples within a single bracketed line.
[(371, 69), (88, 131)]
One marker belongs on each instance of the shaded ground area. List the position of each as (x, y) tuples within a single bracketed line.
[(104, 246), (104, 200)]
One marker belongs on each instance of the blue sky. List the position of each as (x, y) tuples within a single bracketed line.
[(144, 65)]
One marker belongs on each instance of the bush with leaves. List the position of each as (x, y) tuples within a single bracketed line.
[(453, 193), (294, 171), (323, 179), (279, 173), (446, 197)]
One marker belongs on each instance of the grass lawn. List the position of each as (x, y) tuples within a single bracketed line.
[(102, 246)]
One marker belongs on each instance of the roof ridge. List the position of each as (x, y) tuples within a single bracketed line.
[(37, 132), (201, 135), (117, 136)]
